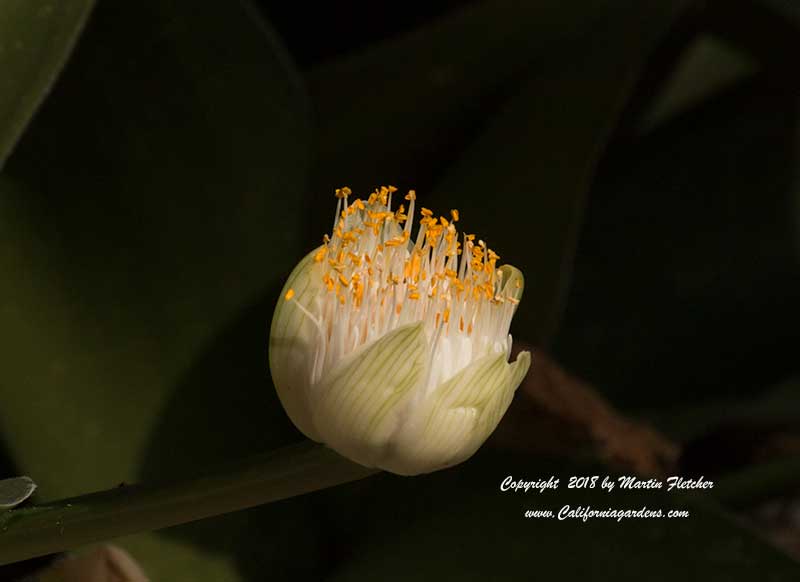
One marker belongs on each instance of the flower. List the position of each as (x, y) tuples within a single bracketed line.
[(393, 349)]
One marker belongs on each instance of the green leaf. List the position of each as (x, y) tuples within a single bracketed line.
[(147, 220), (786, 8), (708, 67), (151, 203), (401, 110), (522, 184), (768, 29), (36, 37), (691, 289)]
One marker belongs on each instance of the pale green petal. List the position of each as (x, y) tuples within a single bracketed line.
[(291, 340), (356, 407), (459, 416), (519, 369), (513, 282)]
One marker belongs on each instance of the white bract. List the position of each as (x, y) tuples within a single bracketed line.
[(393, 349)]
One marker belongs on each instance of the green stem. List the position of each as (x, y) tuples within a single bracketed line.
[(66, 524)]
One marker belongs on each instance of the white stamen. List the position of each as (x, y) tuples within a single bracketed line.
[(377, 279)]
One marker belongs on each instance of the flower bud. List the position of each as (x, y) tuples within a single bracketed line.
[(391, 349)]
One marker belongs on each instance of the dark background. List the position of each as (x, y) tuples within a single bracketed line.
[(637, 160)]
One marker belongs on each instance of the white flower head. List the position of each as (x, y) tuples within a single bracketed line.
[(393, 349)]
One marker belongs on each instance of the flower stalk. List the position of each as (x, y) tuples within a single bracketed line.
[(67, 524)]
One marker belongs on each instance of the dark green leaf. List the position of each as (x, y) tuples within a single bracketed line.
[(36, 37), (707, 67), (687, 273), (400, 111), (786, 8), (147, 220), (522, 183)]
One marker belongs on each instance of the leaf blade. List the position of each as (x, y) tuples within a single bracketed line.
[(36, 40)]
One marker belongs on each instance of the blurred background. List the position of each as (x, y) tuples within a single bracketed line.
[(166, 163)]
